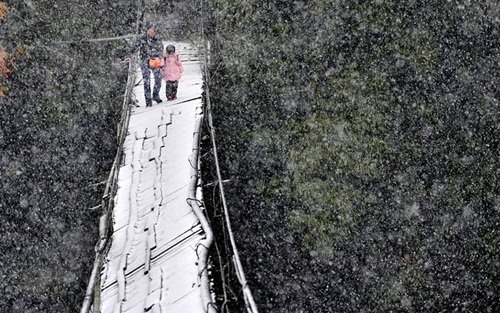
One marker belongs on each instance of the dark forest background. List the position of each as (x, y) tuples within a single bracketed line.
[(58, 115), (360, 144), (359, 140)]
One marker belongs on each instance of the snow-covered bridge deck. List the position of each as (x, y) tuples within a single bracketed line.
[(152, 262)]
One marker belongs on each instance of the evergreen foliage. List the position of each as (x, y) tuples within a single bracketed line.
[(58, 122), (360, 140), (176, 20)]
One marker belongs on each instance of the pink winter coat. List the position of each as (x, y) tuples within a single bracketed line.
[(172, 66)]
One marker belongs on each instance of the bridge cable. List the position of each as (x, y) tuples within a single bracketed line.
[(247, 294), (91, 302)]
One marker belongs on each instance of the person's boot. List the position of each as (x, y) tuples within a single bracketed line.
[(157, 99), (149, 103)]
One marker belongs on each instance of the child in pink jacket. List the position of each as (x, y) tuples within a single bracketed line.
[(171, 71)]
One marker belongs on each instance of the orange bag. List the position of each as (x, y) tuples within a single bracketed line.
[(154, 62)]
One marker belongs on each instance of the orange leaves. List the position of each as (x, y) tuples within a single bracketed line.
[(3, 9), (4, 55), (4, 62), (4, 70), (3, 91)]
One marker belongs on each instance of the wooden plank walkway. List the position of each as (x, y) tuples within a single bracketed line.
[(152, 262)]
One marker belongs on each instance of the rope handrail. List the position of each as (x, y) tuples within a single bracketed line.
[(247, 293), (122, 37), (92, 293)]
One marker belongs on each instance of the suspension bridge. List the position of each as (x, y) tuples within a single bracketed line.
[(152, 255)]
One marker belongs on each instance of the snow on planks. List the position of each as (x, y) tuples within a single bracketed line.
[(152, 262)]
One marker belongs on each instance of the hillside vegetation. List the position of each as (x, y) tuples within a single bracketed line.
[(360, 144), (59, 106)]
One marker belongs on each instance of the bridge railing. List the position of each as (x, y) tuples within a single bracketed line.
[(250, 304), (91, 302)]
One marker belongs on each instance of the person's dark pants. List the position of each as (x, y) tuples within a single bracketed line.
[(146, 76), (171, 89)]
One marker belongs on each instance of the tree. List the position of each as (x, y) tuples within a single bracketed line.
[(57, 139), (358, 138)]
